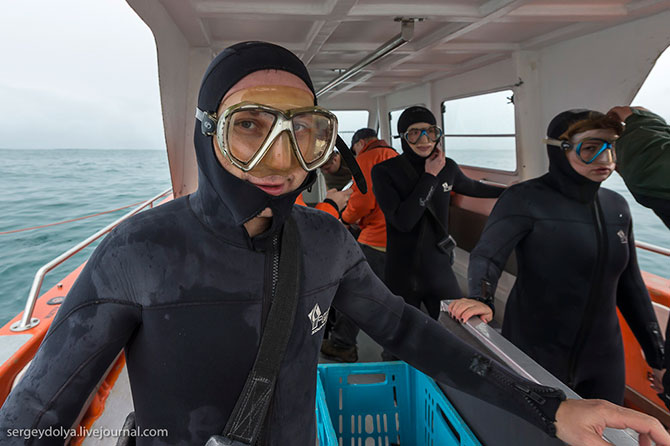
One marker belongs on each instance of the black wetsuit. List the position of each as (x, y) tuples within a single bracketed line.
[(184, 289), (415, 268), (576, 263)]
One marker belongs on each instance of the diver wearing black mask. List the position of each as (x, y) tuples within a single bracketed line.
[(183, 288)]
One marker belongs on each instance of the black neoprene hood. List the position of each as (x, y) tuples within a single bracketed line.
[(412, 115), (240, 60), (242, 199), (561, 173)]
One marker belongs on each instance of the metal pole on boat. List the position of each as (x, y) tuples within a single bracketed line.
[(27, 321), (653, 248), (509, 354), (406, 34)]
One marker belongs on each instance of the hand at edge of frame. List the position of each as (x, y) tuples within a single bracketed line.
[(582, 423)]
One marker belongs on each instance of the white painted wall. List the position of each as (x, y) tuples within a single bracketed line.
[(180, 68), (603, 69)]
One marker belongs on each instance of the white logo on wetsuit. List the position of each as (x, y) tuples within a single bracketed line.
[(318, 318), (622, 236), (446, 187)]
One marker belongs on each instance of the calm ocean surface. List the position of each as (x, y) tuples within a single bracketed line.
[(45, 186)]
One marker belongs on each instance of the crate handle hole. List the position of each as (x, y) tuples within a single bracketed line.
[(366, 378)]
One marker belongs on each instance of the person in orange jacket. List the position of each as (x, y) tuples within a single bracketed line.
[(362, 209)]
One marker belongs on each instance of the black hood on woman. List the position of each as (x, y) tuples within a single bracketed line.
[(561, 175), (410, 116)]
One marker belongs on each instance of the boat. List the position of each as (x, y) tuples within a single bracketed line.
[(377, 58)]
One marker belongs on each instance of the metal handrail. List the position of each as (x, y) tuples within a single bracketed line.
[(522, 364), (653, 248), (27, 321), (493, 183), (406, 34)]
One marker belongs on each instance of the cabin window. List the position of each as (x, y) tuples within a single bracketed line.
[(393, 122), (479, 130), (348, 121)]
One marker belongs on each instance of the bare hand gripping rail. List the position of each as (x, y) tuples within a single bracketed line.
[(507, 353), (27, 321)]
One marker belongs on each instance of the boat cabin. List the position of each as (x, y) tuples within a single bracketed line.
[(495, 71)]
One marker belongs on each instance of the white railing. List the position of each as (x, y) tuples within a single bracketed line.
[(653, 248), (27, 321), (507, 353)]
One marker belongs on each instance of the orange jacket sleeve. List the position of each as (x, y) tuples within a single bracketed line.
[(359, 204), (325, 207)]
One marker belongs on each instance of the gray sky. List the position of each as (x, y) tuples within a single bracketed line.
[(77, 74), (83, 74)]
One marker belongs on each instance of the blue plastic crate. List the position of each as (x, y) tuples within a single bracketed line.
[(325, 434), (386, 404)]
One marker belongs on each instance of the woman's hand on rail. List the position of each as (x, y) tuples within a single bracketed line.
[(464, 309), (582, 423)]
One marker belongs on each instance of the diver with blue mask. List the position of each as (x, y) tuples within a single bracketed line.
[(576, 263), (187, 289)]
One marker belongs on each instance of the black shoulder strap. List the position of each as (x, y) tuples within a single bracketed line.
[(251, 408), (350, 161)]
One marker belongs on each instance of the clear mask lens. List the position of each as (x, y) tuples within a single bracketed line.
[(247, 132), (591, 149), (313, 132), (433, 133)]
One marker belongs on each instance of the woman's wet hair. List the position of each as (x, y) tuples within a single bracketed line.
[(594, 121)]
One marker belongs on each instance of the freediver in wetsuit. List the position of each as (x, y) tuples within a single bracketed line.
[(416, 268), (576, 264), (183, 289)]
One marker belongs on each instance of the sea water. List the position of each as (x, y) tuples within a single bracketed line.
[(44, 186), (647, 227)]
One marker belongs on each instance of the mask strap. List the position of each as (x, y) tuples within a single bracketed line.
[(353, 166), (207, 122), (565, 145)]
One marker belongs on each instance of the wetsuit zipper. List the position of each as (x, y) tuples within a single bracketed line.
[(534, 397), (268, 298), (592, 303)]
